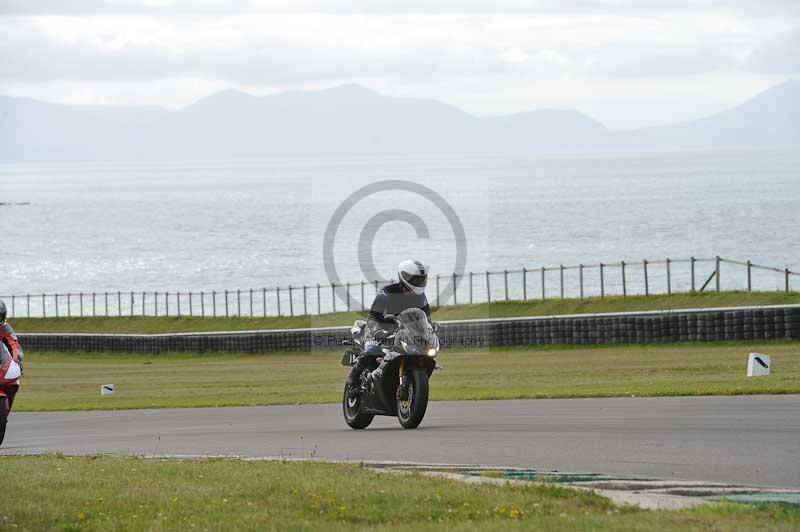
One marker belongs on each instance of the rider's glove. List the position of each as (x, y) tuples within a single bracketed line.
[(381, 334), (435, 326)]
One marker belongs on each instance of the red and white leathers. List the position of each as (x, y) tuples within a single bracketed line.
[(9, 338)]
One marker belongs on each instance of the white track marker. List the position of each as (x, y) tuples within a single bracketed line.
[(758, 365)]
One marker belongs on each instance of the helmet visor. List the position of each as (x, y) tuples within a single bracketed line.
[(415, 280)]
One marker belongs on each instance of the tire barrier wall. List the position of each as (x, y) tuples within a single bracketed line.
[(737, 324)]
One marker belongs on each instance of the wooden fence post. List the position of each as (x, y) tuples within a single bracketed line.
[(749, 279), (543, 291), (524, 284), (455, 301), (602, 281), (624, 287), (646, 282), (669, 277)]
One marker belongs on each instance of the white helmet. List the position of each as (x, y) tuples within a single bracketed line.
[(414, 275)]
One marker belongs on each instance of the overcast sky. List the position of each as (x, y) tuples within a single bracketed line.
[(628, 63)]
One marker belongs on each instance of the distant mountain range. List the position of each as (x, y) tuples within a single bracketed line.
[(351, 120)]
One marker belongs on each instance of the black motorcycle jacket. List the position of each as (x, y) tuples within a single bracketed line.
[(394, 299)]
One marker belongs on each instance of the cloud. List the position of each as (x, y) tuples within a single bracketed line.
[(513, 55), (264, 49), (658, 62), (389, 7), (780, 55), (286, 49)]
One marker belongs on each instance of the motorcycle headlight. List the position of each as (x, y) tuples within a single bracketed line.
[(403, 343), (432, 352)]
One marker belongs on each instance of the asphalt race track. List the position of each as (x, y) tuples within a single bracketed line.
[(750, 440)]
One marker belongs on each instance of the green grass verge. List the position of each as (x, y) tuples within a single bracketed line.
[(104, 493), (71, 381), (143, 325)]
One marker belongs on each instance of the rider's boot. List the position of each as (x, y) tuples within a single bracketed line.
[(354, 378)]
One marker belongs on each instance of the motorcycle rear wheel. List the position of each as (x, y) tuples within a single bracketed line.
[(353, 416), (411, 411)]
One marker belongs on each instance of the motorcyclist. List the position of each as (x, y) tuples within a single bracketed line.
[(8, 337), (408, 292)]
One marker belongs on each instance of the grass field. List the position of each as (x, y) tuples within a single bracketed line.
[(71, 381), (455, 312), (104, 493)]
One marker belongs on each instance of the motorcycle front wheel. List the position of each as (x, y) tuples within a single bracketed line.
[(352, 411), (411, 410)]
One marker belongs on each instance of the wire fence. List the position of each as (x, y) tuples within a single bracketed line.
[(644, 277)]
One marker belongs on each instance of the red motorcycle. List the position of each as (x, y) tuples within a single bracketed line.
[(10, 372)]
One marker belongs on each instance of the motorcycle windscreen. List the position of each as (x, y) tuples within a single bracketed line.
[(416, 328)]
